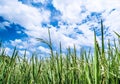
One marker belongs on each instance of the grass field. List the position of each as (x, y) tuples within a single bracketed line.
[(102, 67)]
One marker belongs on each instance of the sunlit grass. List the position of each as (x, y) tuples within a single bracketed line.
[(101, 68)]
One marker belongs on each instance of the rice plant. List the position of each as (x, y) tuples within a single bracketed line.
[(102, 67)]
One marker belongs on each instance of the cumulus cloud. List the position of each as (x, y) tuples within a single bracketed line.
[(70, 9), (82, 15), (3, 24), (22, 14), (73, 12)]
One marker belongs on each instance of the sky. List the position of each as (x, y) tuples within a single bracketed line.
[(70, 22)]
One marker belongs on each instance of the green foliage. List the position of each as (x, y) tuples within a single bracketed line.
[(101, 68)]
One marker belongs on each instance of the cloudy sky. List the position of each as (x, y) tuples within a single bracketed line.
[(70, 22)]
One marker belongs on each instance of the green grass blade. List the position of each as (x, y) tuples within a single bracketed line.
[(96, 61)]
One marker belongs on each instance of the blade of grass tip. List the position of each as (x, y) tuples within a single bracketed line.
[(103, 59), (96, 65), (67, 69), (116, 60), (119, 44), (11, 65), (33, 67), (118, 39), (87, 68), (89, 55), (115, 46), (50, 42), (82, 65), (52, 56), (61, 65), (75, 55), (39, 68), (24, 56), (117, 34), (3, 67), (108, 70), (102, 34), (14, 55), (68, 66), (3, 53), (58, 69), (75, 65), (45, 42)]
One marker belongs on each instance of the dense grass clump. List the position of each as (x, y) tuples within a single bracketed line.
[(101, 68)]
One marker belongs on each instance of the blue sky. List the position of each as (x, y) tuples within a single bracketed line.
[(70, 22)]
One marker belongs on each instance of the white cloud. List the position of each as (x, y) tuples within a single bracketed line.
[(6, 23), (22, 14), (43, 49), (40, 1), (16, 42), (71, 13), (32, 18), (70, 9), (26, 43), (3, 24), (113, 21), (27, 16)]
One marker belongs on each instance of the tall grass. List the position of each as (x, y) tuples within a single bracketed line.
[(101, 68)]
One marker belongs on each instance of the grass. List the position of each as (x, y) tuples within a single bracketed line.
[(101, 68)]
